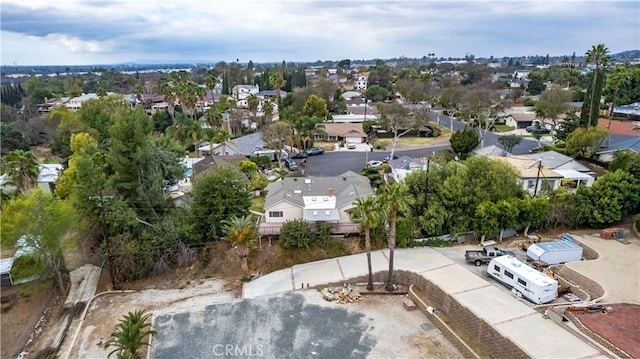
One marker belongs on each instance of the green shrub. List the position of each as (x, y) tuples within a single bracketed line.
[(296, 233)]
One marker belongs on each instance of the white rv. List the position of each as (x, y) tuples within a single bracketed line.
[(528, 282)]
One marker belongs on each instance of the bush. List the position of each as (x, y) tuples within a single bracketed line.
[(296, 233), (529, 102)]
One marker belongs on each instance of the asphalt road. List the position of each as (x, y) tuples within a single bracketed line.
[(335, 163)]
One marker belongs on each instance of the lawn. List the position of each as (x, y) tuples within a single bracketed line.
[(503, 128), (257, 203)]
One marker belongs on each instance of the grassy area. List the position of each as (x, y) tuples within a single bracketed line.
[(257, 203), (503, 128)]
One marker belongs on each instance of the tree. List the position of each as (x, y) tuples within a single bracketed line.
[(315, 106), (22, 167), (482, 107), (449, 100), (599, 56), (619, 78), (277, 82), (534, 212), (463, 142), (277, 135), (367, 212), (535, 86), (241, 232), (377, 93), (509, 142), (396, 119), (585, 142), (553, 103), (394, 200), (81, 144), (44, 223), (487, 219), (130, 334), (626, 160), (218, 195), (570, 123), (252, 105)]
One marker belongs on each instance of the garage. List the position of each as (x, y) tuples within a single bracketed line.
[(353, 139)]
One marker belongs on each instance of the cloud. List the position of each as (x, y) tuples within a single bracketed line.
[(304, 30)]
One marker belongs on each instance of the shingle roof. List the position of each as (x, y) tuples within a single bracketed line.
[(492, 150), (249, 143), (553, 159), (343, 129), (347, 187)]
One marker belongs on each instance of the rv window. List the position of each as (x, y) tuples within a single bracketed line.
[(508, 274), (522, 282), (496, 268)]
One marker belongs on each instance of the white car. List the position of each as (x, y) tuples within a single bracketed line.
[(351, 145), (374, 164)]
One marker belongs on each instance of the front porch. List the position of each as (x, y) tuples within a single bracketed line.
[(273, 229)]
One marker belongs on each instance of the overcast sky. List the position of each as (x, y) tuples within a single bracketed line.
[(80, 32)]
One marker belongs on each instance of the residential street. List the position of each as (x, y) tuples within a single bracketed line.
[(335, 163)]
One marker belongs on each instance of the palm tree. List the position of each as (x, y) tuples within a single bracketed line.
[(213, 117), (129, 336), (22, 167), (367, 211), (221, 137), (210, 82), (394, 199), (242, 233), (277, 81), (166, 89), (252, 104), (619, 78), (599, 56)]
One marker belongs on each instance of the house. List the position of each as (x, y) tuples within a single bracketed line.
[(520, 118), (245, 146), (404, 165), (348, 95), (314, 199), (361, 81), (631, 111), (622, 128), (573, 172), (75, 103), (623, 143), (47, 176), (534, 175), (240, 92), (521, 74), (210, 163), (492, 150), (342, 131)]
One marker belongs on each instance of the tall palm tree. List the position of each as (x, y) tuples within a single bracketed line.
[(242, 233), (252, 105), (599, 56), (221, 137), (22, 167), (167, 90), (367, 212), (277, 82), (394, 199), (129, 336), (617, 79), (210, 82)]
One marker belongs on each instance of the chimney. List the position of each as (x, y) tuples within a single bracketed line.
[(330, 191)]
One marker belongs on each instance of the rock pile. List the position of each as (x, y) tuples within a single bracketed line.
[(341, 295)]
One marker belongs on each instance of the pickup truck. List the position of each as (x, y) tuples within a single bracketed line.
[(485, 255)]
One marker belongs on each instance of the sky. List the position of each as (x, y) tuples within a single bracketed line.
[(86, 32)]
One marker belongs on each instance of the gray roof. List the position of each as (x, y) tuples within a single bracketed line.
[(621, 142), (347, 187), (402, 162), (247, 144), (492, 150), (553, 160)]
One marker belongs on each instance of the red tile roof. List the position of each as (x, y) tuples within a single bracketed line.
[(619, 127)]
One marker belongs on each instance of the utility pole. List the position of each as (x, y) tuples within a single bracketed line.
[(535, 190), (426, 185)]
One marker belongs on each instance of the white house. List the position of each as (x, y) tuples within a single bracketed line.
[(361, 81), (75, 103), (314, 199), (47, 176), (404, 165), (534, 175), (241, 92)]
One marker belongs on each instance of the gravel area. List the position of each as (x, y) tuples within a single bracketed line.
[(300, 325)]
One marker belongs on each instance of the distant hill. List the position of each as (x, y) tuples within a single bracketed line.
[(624, 55)]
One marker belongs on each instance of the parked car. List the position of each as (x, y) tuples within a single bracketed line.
[(535, 150), (485, 255), (300, 155), (351, 145), (538, 129), (374, 164), (388, 158), (290, 164), (315, 151)]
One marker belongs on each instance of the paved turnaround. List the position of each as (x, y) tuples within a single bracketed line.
[(539, 337)]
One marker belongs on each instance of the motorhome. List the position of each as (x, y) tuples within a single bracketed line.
[(524, 280)]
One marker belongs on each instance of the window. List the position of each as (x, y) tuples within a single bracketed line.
[(531, 183), (522, 282), (508, 274), (276, 214), (496, 268)]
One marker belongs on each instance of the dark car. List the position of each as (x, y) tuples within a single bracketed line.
[(388, 158), (315, 151), (537, 129), (290, 164), (300, 155)]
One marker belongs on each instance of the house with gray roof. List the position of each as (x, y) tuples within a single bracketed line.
[(244, 145), (401, 167), (621, 143), (314, 199)]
